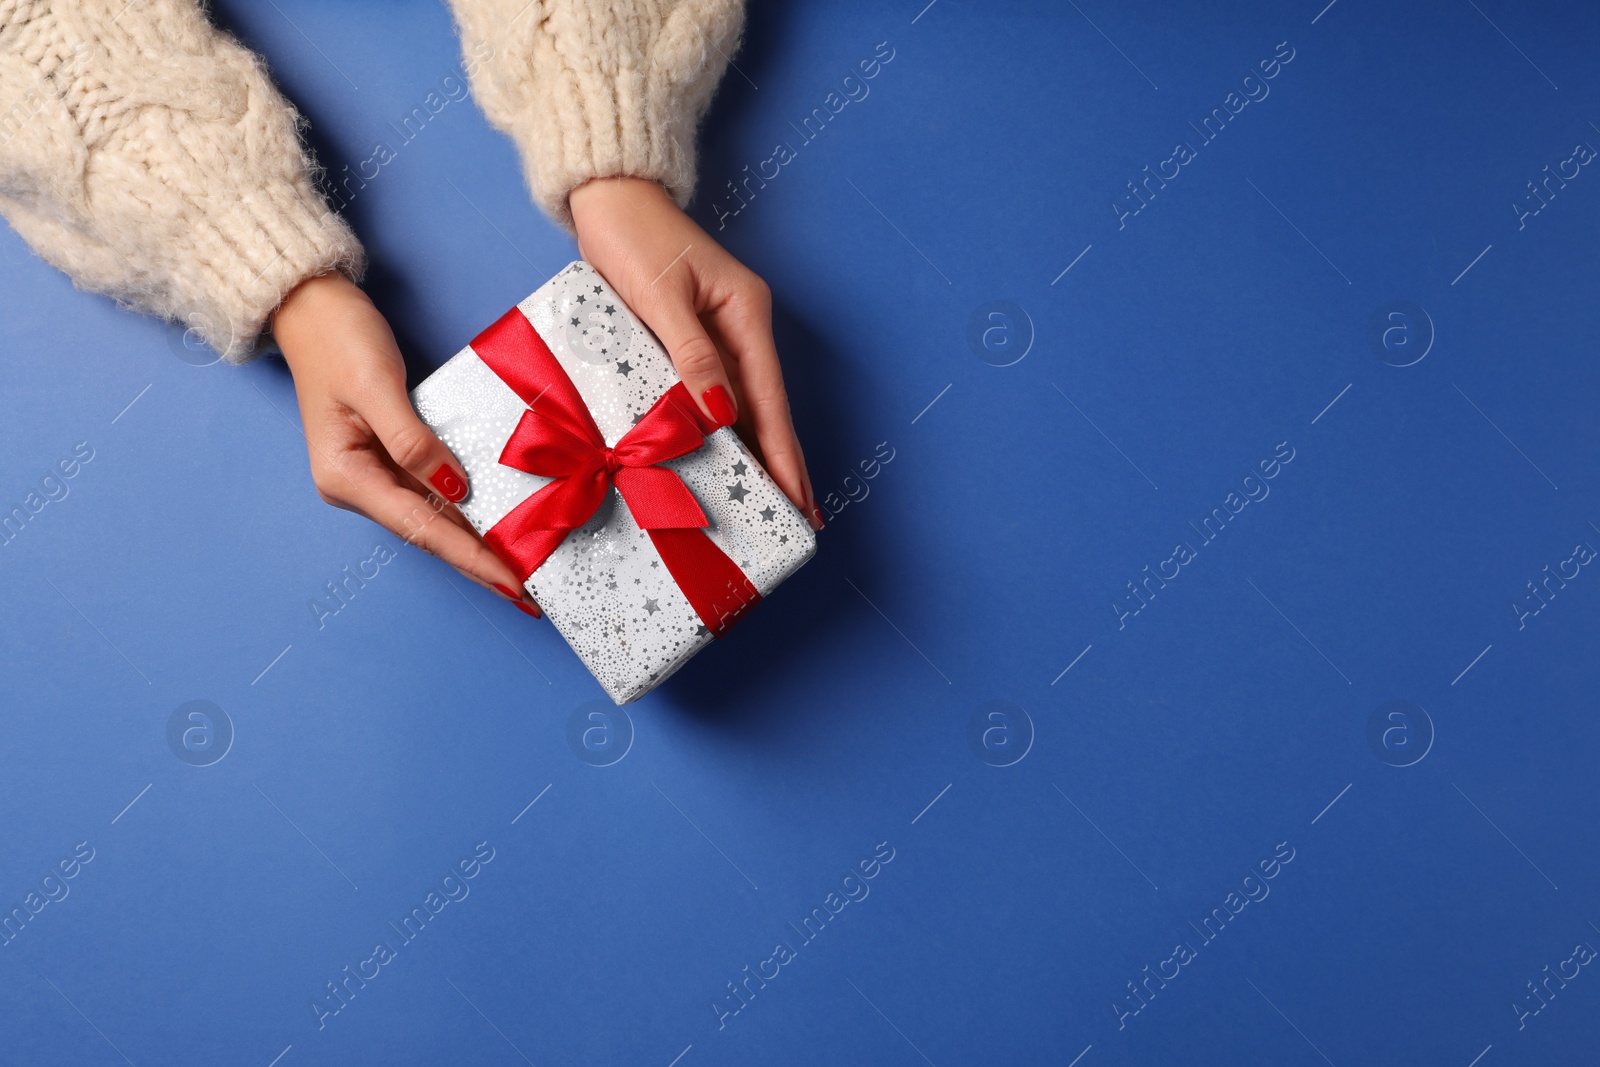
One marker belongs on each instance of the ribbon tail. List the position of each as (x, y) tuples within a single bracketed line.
[(659, 499), (716, 588)]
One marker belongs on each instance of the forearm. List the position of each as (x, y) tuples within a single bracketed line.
[(172, 178)]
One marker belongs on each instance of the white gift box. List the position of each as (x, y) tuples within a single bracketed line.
[(605, 587)]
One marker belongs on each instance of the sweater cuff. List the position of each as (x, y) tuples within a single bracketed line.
[(601, 91), (250, 255), (608, 128)]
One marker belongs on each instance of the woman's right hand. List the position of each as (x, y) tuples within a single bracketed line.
[(370, 453)]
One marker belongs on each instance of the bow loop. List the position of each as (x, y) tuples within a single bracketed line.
[(541, 445), (665, 432)]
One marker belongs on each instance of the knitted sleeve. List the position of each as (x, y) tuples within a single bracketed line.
[(598, 88), (148, 156)]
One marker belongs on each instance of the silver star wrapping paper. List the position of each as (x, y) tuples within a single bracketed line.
[(605, 588)]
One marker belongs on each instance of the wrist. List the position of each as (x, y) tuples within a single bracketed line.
[(598, 197), (296, 321)]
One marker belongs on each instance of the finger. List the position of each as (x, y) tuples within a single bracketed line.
[(747, 333), (413, 447), (417, 455), (519, 595), (414, 518), (668, 309), (401, 475)]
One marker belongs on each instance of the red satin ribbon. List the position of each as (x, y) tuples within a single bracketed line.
[(557, 438)]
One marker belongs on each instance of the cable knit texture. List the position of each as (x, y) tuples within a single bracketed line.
[(148, 155), (598, 88)]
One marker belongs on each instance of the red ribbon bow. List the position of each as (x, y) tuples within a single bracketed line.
[(558, 439)]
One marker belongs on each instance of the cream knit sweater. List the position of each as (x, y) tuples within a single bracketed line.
[(149, 156)]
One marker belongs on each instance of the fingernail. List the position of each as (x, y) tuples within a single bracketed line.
[(529, 609), (507, 592), (720, 403), (451, 486)]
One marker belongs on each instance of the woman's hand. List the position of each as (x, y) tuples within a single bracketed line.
[(369, 452), (712, 313)]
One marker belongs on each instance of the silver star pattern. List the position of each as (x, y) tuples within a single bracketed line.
[(596, 590)]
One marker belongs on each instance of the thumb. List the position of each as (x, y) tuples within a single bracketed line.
[(694, 354), (413, 446)]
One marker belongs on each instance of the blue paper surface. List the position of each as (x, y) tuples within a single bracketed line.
[(1151, 755)]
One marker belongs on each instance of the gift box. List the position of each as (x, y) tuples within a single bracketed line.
[(643, 530)]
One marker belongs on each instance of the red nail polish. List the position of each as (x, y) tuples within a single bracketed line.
[(507, 592), (450, 485), (720, 404), (816, 518), (526, 610)]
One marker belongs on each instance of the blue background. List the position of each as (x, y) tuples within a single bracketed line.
[(1227, 719)]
